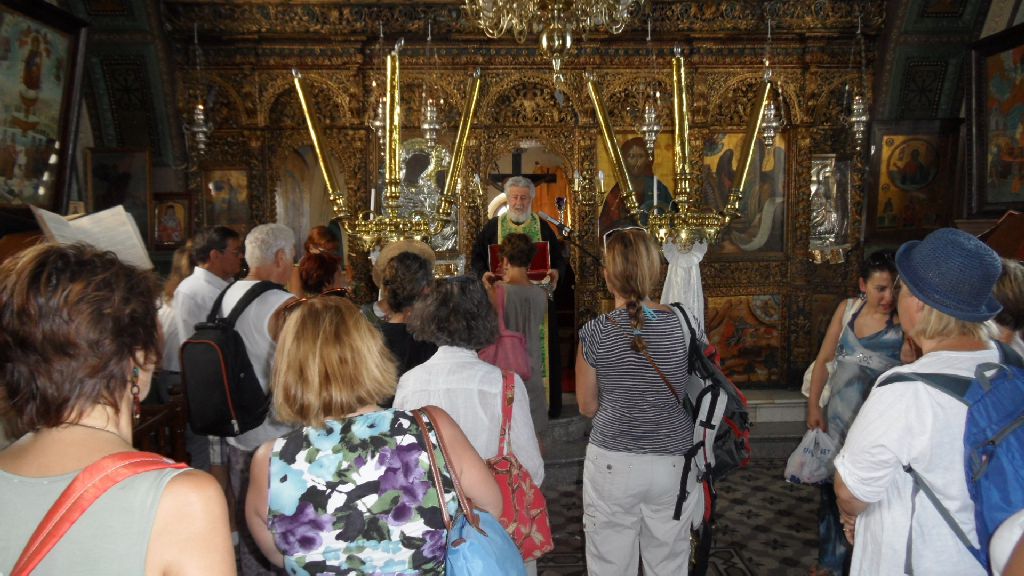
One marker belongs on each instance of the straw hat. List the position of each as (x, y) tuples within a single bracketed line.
[(395, 248)]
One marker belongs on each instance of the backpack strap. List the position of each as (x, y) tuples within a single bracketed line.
[(91, 483), (955, 387), (508, 396), (254, 292), (215, 309), (1008, 355), (681, 313), (921, 486)]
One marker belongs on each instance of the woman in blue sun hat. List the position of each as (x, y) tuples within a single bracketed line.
[(944, 300)]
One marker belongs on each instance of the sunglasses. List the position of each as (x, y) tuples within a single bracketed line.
[(294, 304), (614, 231)]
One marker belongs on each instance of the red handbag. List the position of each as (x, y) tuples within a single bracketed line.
[(525, 511), (510, 351), (90, 484)]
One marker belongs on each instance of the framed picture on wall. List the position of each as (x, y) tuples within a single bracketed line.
[(761, 227), (995, 100), (172, 215), (41, 56), (912, 179), (120, 177), (226, 199)]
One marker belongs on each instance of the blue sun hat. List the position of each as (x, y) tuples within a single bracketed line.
[(953, 272)]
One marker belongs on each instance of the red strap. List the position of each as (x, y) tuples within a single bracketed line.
[(508, 396), (90, 484)]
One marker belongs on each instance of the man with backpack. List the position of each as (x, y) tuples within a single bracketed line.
[(269, 251), (217, 252), (900, 478)]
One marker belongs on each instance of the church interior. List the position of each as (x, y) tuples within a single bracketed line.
[(770, 283), (789, 138)]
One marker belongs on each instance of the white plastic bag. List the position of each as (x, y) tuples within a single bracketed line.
[(811, 462)]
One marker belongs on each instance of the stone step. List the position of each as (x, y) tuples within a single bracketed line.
[(774, 440), (773, 405), (778, 424)]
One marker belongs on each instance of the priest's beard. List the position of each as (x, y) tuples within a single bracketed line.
[(518, 217)]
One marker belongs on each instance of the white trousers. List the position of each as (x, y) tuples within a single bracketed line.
[(628, 501)]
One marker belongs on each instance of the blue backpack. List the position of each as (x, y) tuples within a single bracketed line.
[(993, 444)]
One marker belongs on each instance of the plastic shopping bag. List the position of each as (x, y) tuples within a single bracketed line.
[(811, 462)]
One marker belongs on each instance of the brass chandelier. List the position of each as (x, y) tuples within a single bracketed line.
[(388, 224), (554, 21)]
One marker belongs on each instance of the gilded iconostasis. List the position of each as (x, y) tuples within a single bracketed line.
[(766, 294)]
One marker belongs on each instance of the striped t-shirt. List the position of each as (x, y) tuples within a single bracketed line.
[(636, 412)]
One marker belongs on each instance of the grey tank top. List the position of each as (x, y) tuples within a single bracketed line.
[(111, 538)]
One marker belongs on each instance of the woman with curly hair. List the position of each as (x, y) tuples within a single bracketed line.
[(78, 343), (635, 457), (407, 277)]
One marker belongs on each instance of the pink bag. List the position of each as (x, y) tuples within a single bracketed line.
[(510, 351), (525, 512)]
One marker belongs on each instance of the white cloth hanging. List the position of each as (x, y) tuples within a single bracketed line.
[(682, 283)]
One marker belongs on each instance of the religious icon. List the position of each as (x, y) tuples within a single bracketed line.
[(171, 219), (649, 189), (226, 199)]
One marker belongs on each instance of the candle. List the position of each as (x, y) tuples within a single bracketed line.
[(654, 185), (373, 198)]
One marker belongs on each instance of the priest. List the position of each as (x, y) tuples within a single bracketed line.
[(519, 218)]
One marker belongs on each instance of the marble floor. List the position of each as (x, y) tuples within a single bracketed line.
[(765, 526)]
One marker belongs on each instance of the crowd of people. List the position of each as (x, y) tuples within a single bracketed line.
[(339, 477)]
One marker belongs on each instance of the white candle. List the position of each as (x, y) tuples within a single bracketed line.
[(654, 185), (373, 198)]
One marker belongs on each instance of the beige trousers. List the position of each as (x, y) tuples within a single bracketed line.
[(628, 501)]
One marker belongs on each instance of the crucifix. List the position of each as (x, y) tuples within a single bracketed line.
[(517, 170)]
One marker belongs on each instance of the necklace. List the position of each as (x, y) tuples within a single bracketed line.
[(94, 428)]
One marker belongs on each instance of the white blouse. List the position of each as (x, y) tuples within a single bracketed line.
[(469, 390)]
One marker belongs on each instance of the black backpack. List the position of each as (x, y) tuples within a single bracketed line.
[(222, 391)]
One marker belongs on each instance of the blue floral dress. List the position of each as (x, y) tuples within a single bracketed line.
[(357, 497)]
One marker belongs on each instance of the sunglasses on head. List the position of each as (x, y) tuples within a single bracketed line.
[(614, 231), (336, 292)]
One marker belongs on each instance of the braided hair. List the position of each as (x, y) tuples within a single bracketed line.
[(633, 267)]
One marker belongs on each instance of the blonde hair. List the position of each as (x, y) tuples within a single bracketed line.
[(1009, 291), (935, 325), (330, 362), (632, 264)]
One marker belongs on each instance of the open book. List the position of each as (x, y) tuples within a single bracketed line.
[(112, 229)]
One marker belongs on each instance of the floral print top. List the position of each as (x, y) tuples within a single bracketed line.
[(357, 497)]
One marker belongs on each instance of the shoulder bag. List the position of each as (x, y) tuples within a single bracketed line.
[(477, 543), (510, 351), (525, 511), (81, 493)]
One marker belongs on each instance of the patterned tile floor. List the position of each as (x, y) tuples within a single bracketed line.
[(765, 526)]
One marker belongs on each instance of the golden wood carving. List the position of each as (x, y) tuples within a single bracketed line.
[(249, 48)]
